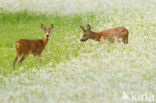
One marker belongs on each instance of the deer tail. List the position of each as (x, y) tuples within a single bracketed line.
[(17, 47)]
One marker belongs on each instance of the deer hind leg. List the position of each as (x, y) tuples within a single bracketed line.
[(18, 54), (126, 40), (22, 58)]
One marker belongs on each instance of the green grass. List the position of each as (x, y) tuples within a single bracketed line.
[(23, 25), (72, 71)]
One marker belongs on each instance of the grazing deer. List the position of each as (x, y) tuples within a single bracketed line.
[(34, 46), (114, 34)]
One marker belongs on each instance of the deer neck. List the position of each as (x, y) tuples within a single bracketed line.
[(96, 36), (45, 41)]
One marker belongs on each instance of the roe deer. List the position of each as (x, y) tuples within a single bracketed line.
[(109, 34), (34, 46)]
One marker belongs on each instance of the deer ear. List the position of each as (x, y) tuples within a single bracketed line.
[(51, 27), (88, 27), (82, 28), (43, 27)]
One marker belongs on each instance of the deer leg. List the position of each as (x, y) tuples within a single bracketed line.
[(126, 40), (22, 59), (34, 55), (18, 54), (40, 58)]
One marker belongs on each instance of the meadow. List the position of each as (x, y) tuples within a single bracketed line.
[(72, 71)]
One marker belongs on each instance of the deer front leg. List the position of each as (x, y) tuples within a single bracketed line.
[(40, 58), (35, 55)]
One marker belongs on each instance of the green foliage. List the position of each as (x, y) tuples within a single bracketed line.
[(23, 25), (72, 71)]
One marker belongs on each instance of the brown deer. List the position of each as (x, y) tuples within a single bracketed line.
[(114, 34), (34, 46)]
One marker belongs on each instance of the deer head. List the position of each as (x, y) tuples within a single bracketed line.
[(46, 30), (87, 34)]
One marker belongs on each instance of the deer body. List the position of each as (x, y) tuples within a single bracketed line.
[(114, 34), (34, 46)]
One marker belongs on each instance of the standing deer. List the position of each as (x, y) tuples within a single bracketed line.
[(34, 46), (114, 34)]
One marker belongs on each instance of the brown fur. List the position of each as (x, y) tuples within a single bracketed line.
[(34, 46), (114, 34)]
